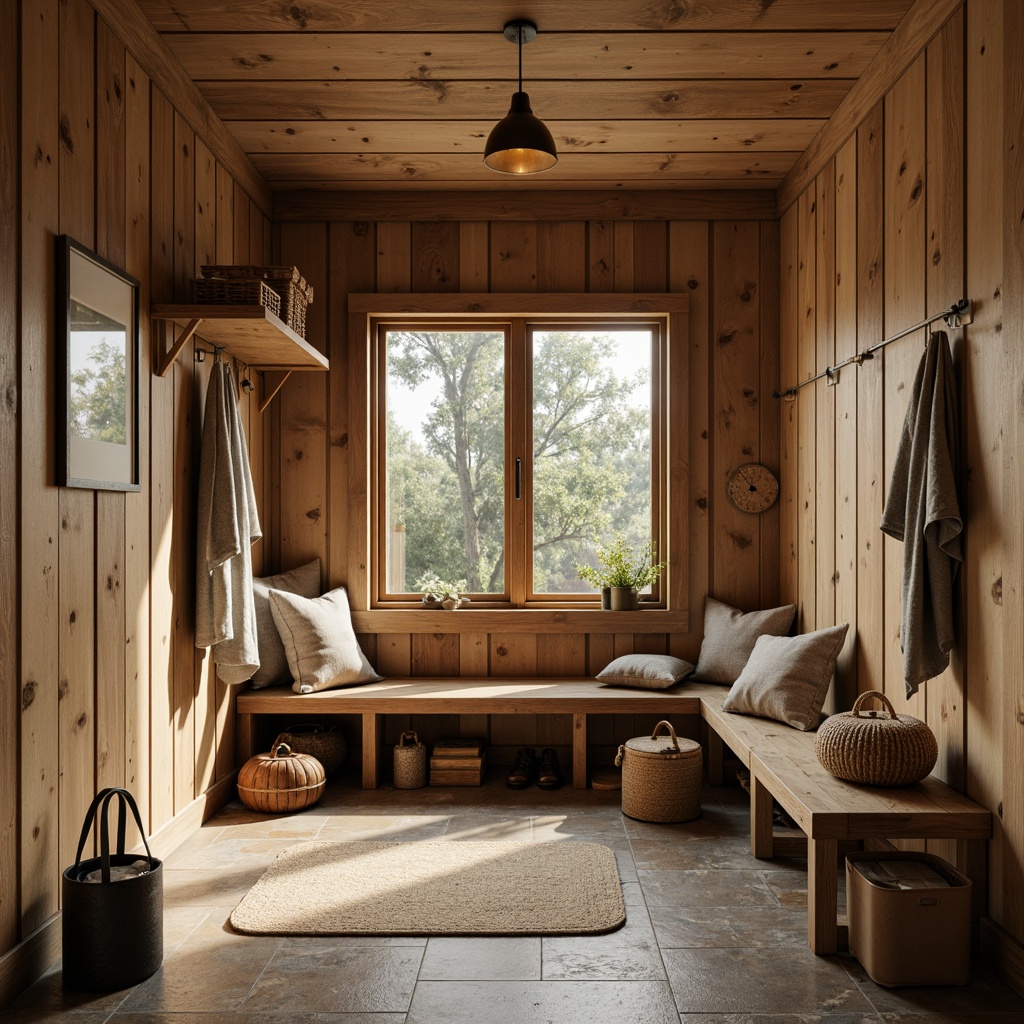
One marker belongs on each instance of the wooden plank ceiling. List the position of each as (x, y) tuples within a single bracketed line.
[(659, 94)]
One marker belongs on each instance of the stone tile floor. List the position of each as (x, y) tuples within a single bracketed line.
[(713, 936)]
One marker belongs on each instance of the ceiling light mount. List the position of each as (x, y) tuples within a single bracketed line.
[(520, 143)]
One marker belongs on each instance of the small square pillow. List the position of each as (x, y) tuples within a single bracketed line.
[(729, 637), (787, 677), (319, 642), (645, 671), (304, 581)]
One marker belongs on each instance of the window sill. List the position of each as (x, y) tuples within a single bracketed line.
[(519, 620)]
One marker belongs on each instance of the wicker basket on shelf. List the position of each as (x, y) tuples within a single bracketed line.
[(410, 762), (661, 776), (292, 288), (876, 748), (326, 745), (239, 291)]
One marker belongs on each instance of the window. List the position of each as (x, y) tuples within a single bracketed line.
[(505, 444)]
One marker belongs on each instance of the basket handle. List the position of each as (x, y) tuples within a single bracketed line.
[(672, 733), (879, 696), (409, 735), (104, 796), (278, 745)]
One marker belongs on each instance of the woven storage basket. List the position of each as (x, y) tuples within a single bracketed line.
[(236, 292), (326, 745), (280, 782), (287, 282), (877, 748), (410, 762), (661, 776)]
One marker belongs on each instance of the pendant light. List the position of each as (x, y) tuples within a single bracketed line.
[(520, 143)]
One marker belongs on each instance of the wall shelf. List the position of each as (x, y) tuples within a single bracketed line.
[(251, 334)]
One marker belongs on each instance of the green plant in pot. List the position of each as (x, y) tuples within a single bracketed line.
[(622, 573), (437, 591)]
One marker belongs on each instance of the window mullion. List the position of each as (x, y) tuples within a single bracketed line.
[(517, 449)]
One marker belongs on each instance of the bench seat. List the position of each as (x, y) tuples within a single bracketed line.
[(781, 761)]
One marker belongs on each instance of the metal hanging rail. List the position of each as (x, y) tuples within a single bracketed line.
[(960, 314)]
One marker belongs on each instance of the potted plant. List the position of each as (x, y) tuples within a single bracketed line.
[(623, 573), (437, 591)]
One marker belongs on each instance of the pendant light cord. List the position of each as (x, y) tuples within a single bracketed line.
[(520, 37)]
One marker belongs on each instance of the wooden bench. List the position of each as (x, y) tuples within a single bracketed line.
[(781, 762)]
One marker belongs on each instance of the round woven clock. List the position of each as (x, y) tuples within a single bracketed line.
[(753, 488)]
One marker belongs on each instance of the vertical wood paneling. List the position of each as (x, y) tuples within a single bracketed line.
[(513, 256), (435, 267), (945, 282), (789, 410), (1013, 471), (137, 506), (736, 396), (689, 272), (806, 425), (870, 447), (76, 553), (904, 248), (600, 256), (561, 256), (9, 688), (825, 399), (39, 519), (845, 439), (769, 426), (983, 387)]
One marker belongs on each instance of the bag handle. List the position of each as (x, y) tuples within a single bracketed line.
[(672, 733), (409, 735), (279, 745), (104, 796), (880, 697)]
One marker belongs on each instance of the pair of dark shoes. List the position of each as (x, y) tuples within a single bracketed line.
[(528, 769)]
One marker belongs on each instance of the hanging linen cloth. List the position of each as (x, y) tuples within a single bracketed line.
[(922, 510), (228, 526)]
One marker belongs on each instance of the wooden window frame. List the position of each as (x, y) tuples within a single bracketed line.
[(367, 311)]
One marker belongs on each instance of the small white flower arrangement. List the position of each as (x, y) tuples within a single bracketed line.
[(437, 591)]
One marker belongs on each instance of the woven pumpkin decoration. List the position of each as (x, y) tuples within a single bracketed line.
[(280, 781), (876, 748)]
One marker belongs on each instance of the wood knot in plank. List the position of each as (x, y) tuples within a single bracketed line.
[(314, 514), (742, 541), (997, 591), (28, 694)]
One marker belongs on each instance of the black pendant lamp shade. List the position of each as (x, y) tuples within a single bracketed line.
[(520, 143)]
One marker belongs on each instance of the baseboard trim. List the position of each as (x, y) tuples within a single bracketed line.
[(1004, 953), (31, 958)]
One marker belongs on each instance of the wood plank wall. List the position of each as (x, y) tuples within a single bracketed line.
[(730, 271), (920, 206), (100, 681)]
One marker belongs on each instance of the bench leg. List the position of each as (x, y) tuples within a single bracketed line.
[(762, 843), (579, 751), (373, 734), (716, 758), (245, 738), (822, 896)]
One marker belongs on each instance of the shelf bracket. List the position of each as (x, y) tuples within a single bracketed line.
[(272, 383), (179, 343)]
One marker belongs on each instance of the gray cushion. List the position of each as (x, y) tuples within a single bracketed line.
[(787, 677), (305, 581), (319, 642), (645, 671), (730, 635)]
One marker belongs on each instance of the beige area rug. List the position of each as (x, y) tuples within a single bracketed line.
[(435, 888)]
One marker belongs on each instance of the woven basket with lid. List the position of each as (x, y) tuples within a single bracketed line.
[(661, 776), (876, 748)]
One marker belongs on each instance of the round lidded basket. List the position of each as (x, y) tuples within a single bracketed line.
[(326, 745), (410, 762), (876, 748), (281, 781), (661, 776)]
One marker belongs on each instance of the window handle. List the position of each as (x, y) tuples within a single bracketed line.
[(519, 478)]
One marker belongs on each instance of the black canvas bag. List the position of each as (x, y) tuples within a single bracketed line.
[(112, 928)]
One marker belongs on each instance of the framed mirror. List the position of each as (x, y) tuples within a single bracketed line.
[(98, 371)]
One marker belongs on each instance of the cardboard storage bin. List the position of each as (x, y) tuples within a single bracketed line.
[(909, 918)]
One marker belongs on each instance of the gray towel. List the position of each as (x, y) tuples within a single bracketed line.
[(228, 525), (922, 510)]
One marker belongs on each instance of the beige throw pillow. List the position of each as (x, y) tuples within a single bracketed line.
[(645, 671), (730, 635), (787, 677), (304, 581), (319, 641)]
